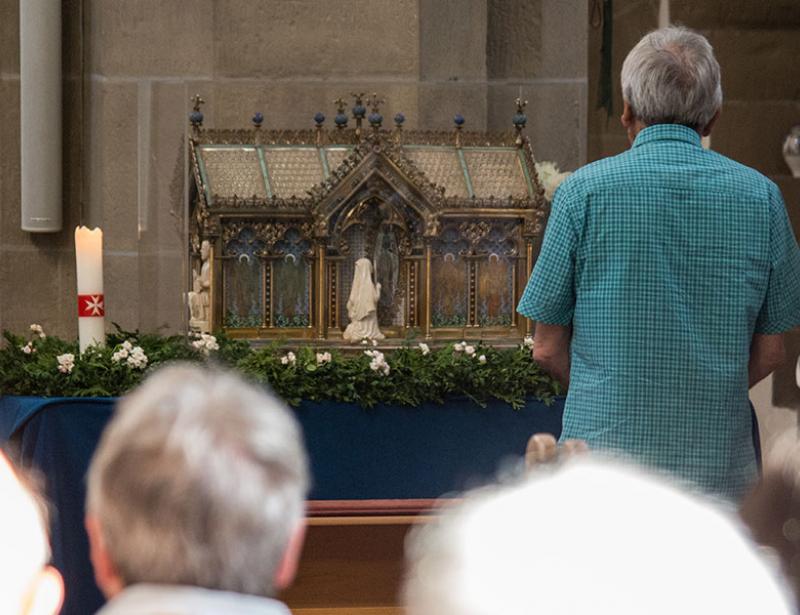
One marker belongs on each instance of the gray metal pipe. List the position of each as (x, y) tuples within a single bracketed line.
[(40, 115)]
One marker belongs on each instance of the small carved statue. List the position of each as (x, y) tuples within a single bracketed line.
[(200, 295), (362, 306)]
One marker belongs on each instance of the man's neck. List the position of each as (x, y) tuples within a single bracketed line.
[(637, 126)]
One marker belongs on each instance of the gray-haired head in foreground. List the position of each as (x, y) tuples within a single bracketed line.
[(672, 77), (590, 537), (199, 479)]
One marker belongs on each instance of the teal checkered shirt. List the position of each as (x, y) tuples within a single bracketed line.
[(665, 260)]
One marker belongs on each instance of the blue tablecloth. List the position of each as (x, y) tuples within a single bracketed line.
[(382, 453)]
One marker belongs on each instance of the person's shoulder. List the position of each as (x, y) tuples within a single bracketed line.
[(589, 177), (746, 180)]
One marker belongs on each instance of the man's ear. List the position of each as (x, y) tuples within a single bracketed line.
[(47, 594), (287, 569), (707, 130), (105, 572), (628, 119), (630, 122)]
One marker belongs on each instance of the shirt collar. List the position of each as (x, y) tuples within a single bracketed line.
[(667, 132), (145, 598)]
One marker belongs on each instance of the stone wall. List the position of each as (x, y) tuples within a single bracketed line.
[(130, 68), (757, 43)]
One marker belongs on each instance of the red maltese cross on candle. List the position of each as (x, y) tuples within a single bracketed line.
[(90, 305)]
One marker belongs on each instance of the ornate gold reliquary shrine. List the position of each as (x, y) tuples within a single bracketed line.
[(280, 218)]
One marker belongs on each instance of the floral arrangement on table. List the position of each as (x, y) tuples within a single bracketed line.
[(43, 365)]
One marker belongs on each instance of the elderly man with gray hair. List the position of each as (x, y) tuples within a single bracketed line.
[(196, 497), (666, 277)]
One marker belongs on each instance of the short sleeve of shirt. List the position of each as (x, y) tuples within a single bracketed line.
[(781, 308), (549, 296)]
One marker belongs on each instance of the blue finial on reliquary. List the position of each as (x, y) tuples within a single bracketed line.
[(458, 120), (375, 118), (359, 110), (258, 119), (196, 116), (319, 119), (399, 118), (520, 120), (341, 117)]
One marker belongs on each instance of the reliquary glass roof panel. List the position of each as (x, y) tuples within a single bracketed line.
[(442, 166), (232, 170), (497, 172), (336, 156), (292, 171)]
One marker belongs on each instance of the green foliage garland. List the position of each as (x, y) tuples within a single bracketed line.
[(409, 376)]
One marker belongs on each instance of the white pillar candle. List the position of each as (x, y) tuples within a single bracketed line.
[(91, 303)]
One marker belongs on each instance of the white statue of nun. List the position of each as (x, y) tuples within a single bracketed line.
[(362, 306)]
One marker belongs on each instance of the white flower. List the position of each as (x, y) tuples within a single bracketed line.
[(374, 343), (378, 362), (482, 358), (460, 347), (550, 177), (66, 362), (528, 341), (38, 330), (28, 348), (381, 366), (205, 343), (137, 358), (470, 350), (323, 357), (424, 348), (364, 342), (125, 349), (288, 358)]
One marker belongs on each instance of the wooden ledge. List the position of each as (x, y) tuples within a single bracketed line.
[(373, 508)]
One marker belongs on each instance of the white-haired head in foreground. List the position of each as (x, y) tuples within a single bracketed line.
[(591, 538), (27, 585), (672, 77), (200, 479)]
